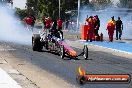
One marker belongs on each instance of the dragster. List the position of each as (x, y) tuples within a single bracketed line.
[(56, 44)]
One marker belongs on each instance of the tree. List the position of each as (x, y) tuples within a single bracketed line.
[(22, 13), (51, 7), (125, 3), (101, 4)]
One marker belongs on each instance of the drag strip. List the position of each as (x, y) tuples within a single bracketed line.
[(99, 62)]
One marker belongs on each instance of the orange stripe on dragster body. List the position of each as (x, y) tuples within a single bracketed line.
[(68, 49)]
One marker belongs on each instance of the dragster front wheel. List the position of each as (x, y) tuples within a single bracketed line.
[(85, 51), (62, 52)]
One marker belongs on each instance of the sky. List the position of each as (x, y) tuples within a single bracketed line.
[(19, 3)]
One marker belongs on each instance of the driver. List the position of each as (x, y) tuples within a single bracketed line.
[(53, 30)]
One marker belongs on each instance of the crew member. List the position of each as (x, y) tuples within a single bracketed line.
[(33, 22), (59, 23), (119, 28), (44, 22), (111, 27), (48, 22), (53, 27), (67, 24), (28, 21), (48, 25), (91, 22), (96, 26)]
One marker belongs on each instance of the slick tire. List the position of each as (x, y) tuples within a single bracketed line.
[(36, 43)]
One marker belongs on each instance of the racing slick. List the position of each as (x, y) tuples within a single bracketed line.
[(119, 28), (111, 27)]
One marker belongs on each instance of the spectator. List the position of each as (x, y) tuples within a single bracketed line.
[(96, 27), (59, 23), (67, 24), (119, 28)]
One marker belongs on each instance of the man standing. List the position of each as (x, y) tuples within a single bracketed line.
[(33, 21), (96, 26), (119, 28), (91, 22), (59, 23), (44, 21), (47, 25), (67, 24), (28, 21), (111, 27)]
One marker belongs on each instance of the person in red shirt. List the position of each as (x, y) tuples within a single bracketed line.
[(28, 21), (111, 27), (48, 23), (59, 24), (91, 22)]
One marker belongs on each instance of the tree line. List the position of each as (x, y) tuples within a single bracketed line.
[(51, 7)]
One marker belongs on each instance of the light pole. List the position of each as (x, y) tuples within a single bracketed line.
[(11, 4), (78, 14), (59, 8)]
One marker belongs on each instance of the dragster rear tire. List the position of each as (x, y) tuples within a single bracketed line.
[(85, 51), (36, 43)]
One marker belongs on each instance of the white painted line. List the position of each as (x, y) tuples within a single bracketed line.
[(116, 50), (9, 86), (13, 71), (6, 81), (7, 49)]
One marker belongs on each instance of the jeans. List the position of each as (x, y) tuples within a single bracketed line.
[(118, 33)]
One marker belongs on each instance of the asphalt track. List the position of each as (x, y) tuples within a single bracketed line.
[(99, 63)]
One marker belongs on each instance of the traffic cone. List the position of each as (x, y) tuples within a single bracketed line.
[(101, 37)]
